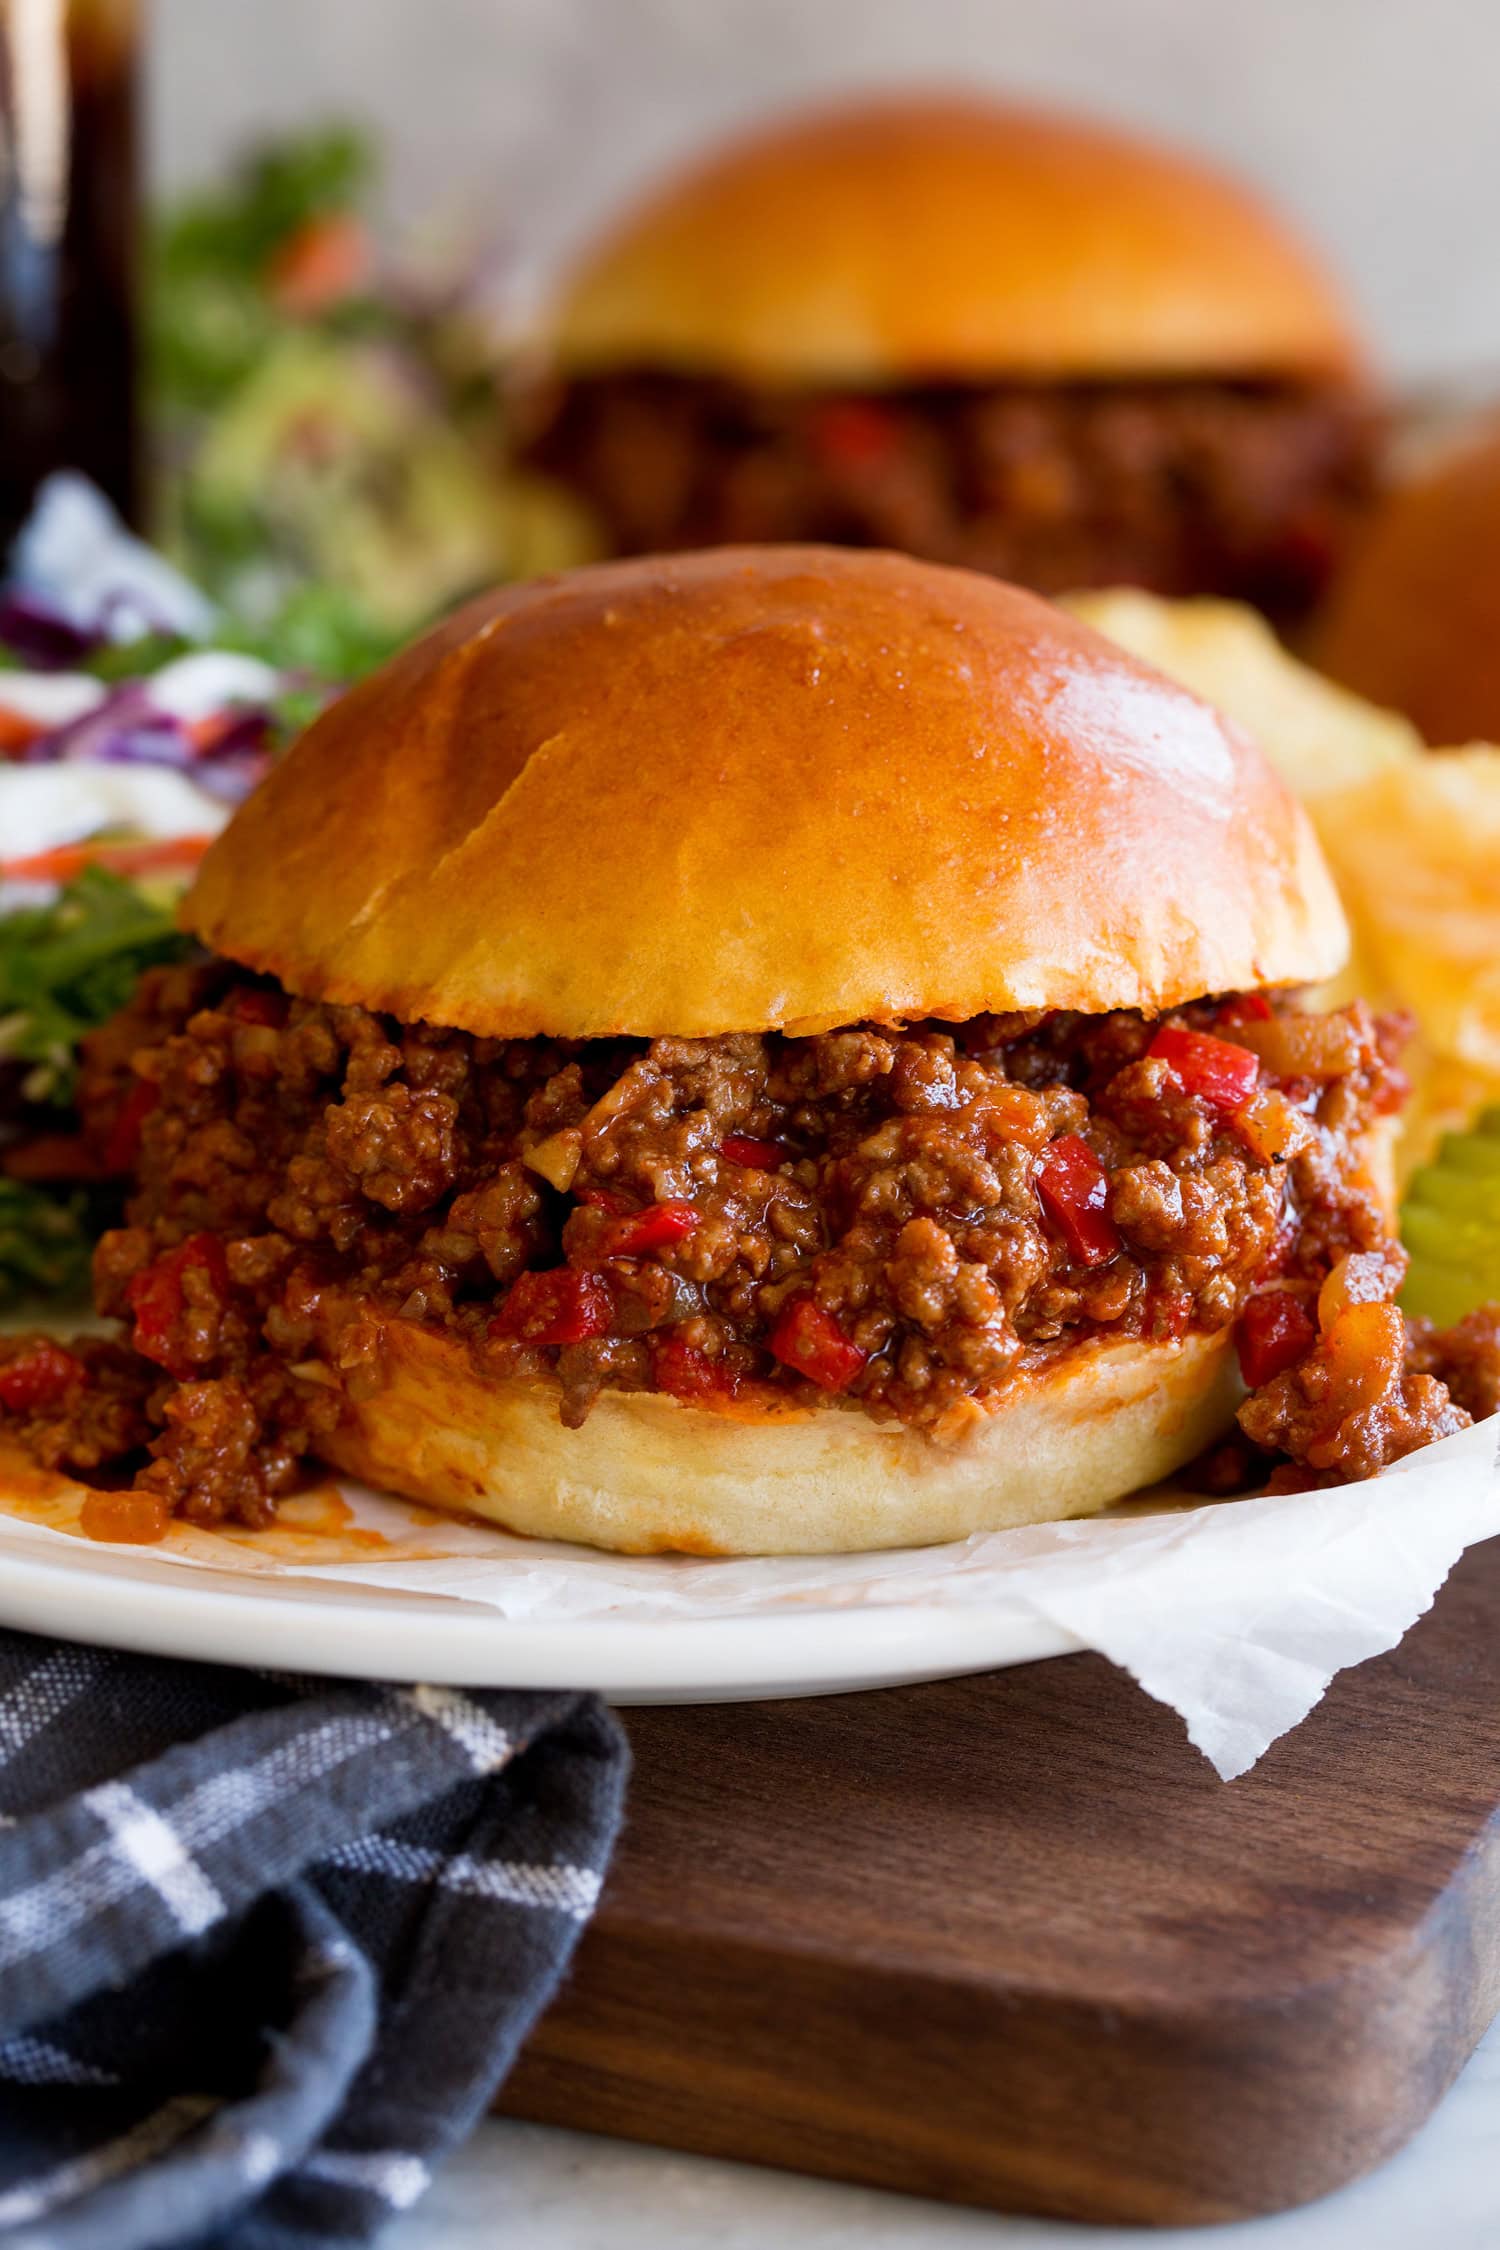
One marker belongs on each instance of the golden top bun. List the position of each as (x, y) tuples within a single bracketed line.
[(933, 237), (1414, 620), (767, 788)]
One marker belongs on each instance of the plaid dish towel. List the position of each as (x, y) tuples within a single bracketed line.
[(269, 1945)]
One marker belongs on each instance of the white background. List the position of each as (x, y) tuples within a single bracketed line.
[(1375, 122)]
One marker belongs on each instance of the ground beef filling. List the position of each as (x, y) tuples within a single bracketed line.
[(898, 1222), (1246, 489)]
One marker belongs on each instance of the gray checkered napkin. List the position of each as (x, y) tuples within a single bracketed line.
[(268, 1946)]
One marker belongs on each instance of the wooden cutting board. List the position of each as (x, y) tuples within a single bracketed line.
[(1008, 1941)]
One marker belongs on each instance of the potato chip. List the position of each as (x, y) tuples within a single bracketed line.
[(1416, 852), (1413, 838), (1318, 736)]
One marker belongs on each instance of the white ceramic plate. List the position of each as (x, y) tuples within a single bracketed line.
[(124, 1599)]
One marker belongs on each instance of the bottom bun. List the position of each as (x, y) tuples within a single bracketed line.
[(647, 1473)]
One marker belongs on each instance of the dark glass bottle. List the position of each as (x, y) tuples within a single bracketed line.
[(68, 211)]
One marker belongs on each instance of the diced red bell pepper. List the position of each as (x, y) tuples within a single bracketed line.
[(124, 1143), (1216, 1071), (1074, 1192), (157, 1296), (253, 1004), (1213, 1069), (685, 1372), (1272, 1334), (38, 1377), (1168, 1312), (560, 1306), (810, 1340), (600, 1199), (1245, 1007), (756, 1156), (655, 1228), (854, 433)]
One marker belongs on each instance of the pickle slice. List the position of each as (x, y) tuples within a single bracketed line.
[(1441, 1293), (1473, 1197), (1470, 1158), (1453, 1241), (1450, 1224)]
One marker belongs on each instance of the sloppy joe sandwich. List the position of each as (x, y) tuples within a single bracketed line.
[(992, 335), (768, 1050), (1413, 616)]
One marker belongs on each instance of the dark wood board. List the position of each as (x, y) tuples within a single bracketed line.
[(1007, 1940)]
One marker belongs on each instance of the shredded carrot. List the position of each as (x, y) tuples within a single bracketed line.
[(158, 855), (324, 261), (17, 733)]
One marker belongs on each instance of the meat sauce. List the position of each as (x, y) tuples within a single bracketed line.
[(1187, 487), (890, 1221)]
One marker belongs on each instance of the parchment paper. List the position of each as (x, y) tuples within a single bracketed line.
[(1235, 1613)]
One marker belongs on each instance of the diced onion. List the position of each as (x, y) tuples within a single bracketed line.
[(1365, 1348), (1363, 1277), (1303, 1046), (1270, 1128), (557, 1158)]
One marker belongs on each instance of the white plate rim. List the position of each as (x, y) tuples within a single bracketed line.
[(118, 1600)]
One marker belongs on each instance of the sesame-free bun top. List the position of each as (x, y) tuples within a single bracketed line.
[(931, 238), (755, 788), (1413, 621)]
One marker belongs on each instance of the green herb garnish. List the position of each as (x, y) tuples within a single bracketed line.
[(45, 1241), (213, 320), (66, 967)]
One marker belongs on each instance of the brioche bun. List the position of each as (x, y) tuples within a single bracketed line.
[(775, 788), (738, 791), (934, 238), (647, 1473), (1414, 620)]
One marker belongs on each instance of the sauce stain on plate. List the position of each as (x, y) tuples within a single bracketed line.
[(318, 1525)]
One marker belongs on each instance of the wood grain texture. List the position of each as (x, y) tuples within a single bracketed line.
[(1007, 1940)]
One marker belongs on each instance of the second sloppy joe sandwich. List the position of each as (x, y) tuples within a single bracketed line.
[(765, 1051), (989, 334)]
